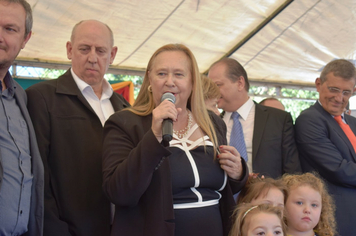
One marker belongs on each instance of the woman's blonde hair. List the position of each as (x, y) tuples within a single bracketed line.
[(144, 103), (255, 187), (243, 213), (327, 223)]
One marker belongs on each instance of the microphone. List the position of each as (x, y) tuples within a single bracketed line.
[(167, 124)]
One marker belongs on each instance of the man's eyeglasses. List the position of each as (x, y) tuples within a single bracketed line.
[(335, 90)]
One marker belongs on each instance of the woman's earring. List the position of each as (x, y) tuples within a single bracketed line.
[(149, 88)]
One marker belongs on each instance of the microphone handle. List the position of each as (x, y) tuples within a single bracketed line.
[(167, 130)]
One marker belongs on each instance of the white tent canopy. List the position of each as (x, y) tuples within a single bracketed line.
[(280, 42)]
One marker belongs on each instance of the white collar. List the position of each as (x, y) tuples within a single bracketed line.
[(82, 85), (244, 110)]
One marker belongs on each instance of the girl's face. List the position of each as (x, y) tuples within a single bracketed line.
[(274, 196), (265, 224), (212, 104), (303, 209)]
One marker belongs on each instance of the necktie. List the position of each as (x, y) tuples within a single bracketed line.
[(347, 130), (237, 136)]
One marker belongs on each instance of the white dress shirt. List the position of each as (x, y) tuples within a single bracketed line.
[(102, 107), (247, 120)]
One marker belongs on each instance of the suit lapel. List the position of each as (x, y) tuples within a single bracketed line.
[(350, 123), (337, 129), (21, 102), (66, 85), (353, 128), (261, 117), (118, 102)]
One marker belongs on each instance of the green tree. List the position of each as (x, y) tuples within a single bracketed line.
[(294, 100)]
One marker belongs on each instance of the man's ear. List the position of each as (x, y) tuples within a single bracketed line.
[(26, 40), (113, 54), (241, 82), (69, 50), (318, 84)]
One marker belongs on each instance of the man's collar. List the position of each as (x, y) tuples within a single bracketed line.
[(342, 114), (9, 83), (244, 110), (107, 90)]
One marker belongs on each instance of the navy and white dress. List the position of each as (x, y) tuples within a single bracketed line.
[(196, 181)]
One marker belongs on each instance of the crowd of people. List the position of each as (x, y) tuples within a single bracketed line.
[(76, 159)]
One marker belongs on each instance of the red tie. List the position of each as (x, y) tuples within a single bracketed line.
[(347, 131)]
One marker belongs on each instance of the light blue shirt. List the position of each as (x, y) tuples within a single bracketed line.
[(15, 191)]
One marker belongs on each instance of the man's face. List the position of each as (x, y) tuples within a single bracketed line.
[(12, 32), (91, 52), (228, 89), (334, 93)]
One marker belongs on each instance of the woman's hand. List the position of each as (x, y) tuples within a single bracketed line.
[(230, 161), (164, 110)]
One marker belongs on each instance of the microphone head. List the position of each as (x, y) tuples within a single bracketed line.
[(168, 96)]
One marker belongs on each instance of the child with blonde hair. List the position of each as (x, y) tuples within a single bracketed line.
[(263, 190), (211, 94), (264, 219), (309, 209)]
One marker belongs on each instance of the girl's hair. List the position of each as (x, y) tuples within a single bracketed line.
[(327, 223), (210, 89), (257, 186), (243, 213), (144, 103)]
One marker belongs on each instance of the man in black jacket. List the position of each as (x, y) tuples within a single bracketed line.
[(69, 114), (268, 132)]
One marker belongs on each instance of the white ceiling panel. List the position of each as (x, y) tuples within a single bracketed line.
[(276, 40)]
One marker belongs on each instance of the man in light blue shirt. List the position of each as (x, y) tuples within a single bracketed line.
[(21, 169)]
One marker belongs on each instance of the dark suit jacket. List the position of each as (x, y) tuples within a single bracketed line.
[(36, 209), (274, 151), (69, 135), (137, 177), (324, 147)]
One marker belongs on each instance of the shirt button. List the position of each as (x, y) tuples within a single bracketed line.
[(21, 212)]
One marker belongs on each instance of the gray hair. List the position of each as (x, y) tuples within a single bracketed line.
[(28, 10), (341, 67)]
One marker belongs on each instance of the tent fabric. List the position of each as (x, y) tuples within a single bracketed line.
[(291, 48), (126, 89)]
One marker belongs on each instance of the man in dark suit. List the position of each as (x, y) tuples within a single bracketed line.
[(21, 168), (272, 102), (69, 114), (324, 146), (268, 132)]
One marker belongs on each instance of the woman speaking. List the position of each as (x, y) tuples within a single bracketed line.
[(185, 188)]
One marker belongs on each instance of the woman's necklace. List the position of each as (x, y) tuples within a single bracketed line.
[(183, 132)]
